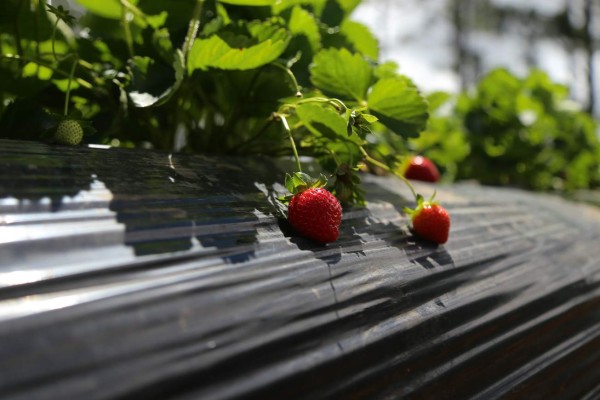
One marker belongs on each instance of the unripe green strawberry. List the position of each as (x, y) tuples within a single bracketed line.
[(69, 132), (316, 214)]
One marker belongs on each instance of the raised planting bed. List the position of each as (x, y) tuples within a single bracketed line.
[(137, 274)]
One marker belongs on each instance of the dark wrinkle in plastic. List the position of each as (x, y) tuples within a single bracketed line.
[(138, 274)]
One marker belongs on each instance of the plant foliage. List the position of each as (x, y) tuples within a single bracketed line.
[(522, 132), (226, 77)]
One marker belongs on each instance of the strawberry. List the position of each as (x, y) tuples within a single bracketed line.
[(422, 169), (313, 211), (69, 132), (430, 221)]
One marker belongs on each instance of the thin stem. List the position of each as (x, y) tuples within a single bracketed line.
[(133, 9), (17, 32), (127, 29), (388, 169), (336, 103), (54, 38), (68, 96), (291, 75), (193, 27), (86, 64), (289, 132)]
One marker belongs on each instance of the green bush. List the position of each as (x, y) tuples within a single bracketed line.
[(512, 131)]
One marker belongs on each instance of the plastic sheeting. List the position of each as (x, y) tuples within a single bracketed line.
[(131, 274)]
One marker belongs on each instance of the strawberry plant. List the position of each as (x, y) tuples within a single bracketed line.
[(522, 132), (238, 77)]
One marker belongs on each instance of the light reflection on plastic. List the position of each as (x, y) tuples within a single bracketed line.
[(21, 277)]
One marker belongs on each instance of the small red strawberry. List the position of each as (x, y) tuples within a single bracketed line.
[(313, 211), (430, 221), (422, 169)]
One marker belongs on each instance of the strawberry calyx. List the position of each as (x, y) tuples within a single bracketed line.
[(299, 182), (421, 204), (430, 220)]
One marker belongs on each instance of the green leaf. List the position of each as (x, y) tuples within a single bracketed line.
[(156, 21), (148, 86), (316, 5), (399, 106), (361, 38), (333, 14), (249, 2), (388, 69), (63, 84), (230, 51), (179, 67), (369, 118), (303, 22), (322, 121), (110, 9), (341, 73), (35, 70), (348, 5)]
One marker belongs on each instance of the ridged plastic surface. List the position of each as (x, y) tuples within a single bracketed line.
[(131, 274)]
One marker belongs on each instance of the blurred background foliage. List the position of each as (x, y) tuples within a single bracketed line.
[(492, 67)]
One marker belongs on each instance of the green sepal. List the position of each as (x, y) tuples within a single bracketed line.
[(299, 182), (62, 14), (421, 203), (359, 122)]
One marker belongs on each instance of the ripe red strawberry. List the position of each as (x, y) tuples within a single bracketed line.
[(431, 221), (422, 169), (316, 214)]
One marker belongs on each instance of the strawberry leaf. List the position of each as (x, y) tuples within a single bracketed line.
[(361, 38), (399, 106), (110, 9), (303, 22), (231, 51), (322, 121), (148, 85), (341, 73), (249, 2)]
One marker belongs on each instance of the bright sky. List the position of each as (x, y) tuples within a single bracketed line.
[(419, 39)]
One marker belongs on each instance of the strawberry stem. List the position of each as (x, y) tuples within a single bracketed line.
[(54, 38), (289, 132), (388, 169), (71, 75), (335, 103), (127, 29), (193, 27), (291, 76)]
